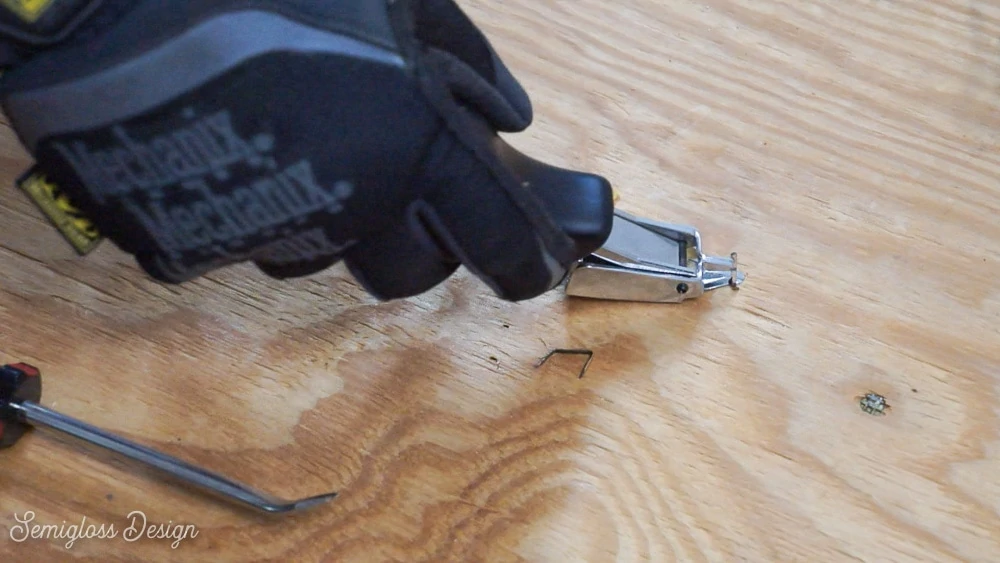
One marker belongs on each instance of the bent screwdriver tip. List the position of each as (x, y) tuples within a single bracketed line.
[(20, 391), (276, 506)]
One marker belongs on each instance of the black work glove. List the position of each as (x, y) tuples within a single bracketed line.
[(296, 133)]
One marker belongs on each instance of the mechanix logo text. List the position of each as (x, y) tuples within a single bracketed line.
[(206, 146), (178, 185)]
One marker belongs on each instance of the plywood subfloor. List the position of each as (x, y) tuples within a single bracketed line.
[(847, 149)]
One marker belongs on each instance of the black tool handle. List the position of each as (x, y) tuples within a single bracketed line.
[(581, 203)]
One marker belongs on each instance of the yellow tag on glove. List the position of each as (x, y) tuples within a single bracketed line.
[(75, 227), (27, 10)]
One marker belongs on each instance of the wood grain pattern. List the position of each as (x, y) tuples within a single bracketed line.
[(847, 150)]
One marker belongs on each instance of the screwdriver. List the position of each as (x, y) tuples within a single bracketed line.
[(20, 393)]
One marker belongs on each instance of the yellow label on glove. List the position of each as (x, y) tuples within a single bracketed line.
[(71, 222), (27, 10)]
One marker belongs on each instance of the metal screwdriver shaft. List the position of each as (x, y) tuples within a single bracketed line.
[(20, 388)]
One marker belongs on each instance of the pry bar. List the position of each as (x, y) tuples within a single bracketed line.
[(20, 393)]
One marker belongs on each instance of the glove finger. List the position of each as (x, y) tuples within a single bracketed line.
[(470, 65), (476, 220), (400, 263), (303, 254), (289, 270)]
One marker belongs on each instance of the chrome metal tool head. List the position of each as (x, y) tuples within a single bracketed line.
[(650, 261)]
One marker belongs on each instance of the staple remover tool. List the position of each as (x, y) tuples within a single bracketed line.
[(627, 258), (651, 261)]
